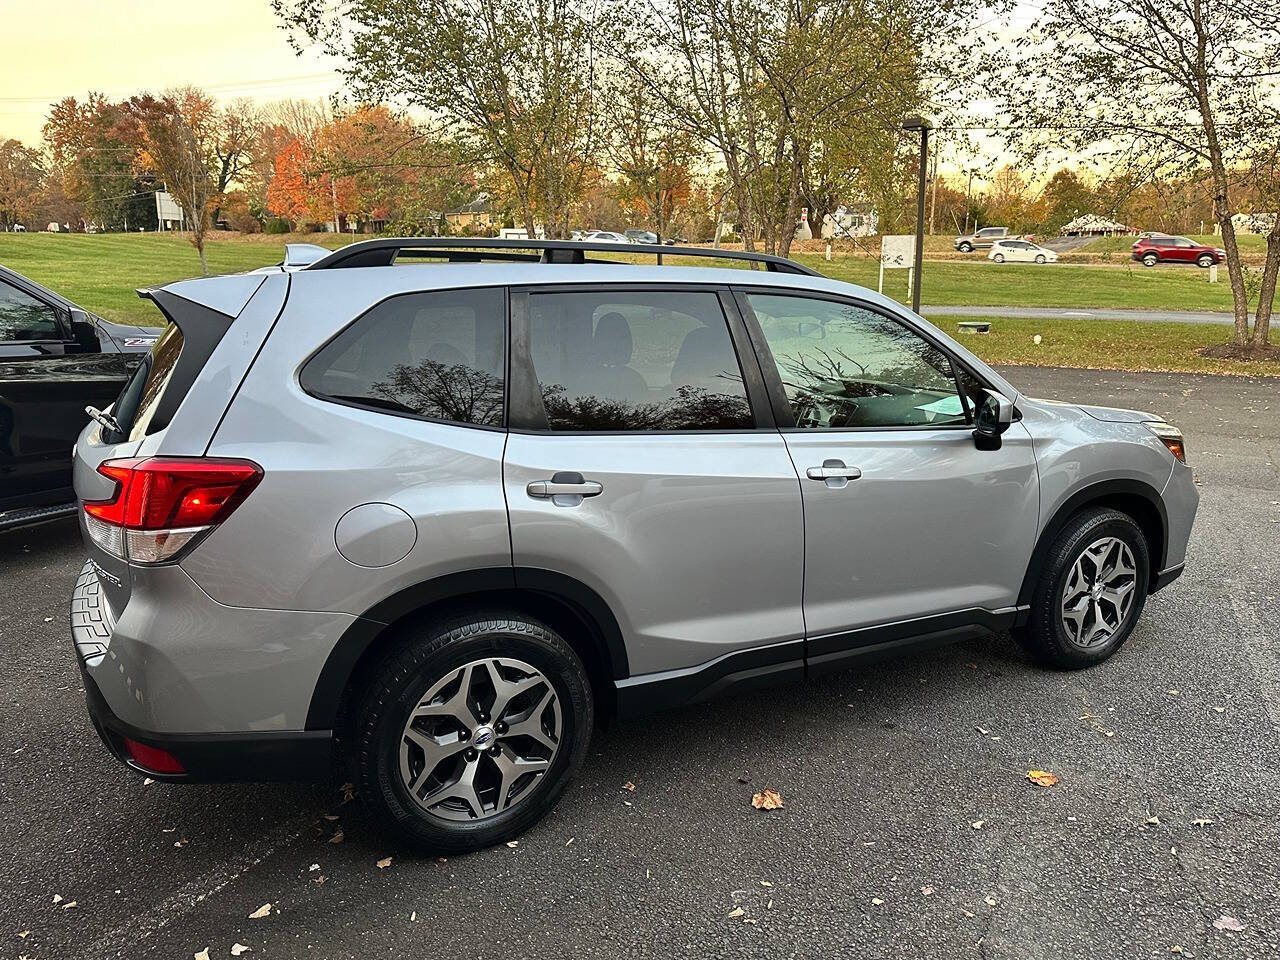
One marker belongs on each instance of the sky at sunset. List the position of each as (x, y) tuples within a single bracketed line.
[(58, 48)]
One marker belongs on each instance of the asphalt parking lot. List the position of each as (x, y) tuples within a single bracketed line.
[(909, 827)]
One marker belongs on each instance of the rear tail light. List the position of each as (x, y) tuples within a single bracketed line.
[(164, 505)]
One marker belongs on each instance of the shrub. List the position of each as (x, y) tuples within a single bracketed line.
[(278, 225)]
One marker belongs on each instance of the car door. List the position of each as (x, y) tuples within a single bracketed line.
[(46, 380), (642, 462), (909, 528)]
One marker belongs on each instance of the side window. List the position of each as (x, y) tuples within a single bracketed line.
[(847, 366), (636, 361), (23, 317), (437, 355)]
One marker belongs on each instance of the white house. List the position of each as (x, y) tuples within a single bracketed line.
[(860, 220), (1253, 222), (1093, 225)]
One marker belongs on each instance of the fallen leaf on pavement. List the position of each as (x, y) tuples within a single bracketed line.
[(69, 906), (513, 844), (203, 954), (765, 883), (1219, 709), (977, 824), (24, 934), (1176, 948), (767, 800), (413, 917), (991, 901), (331, 816), (239, 948), (569, 841), (57, 898), (1228, 923), (750, 920), (262, 911), (876, 901), (629, 786), (1202, 822), (348, 792), (744, 777), (1153, 820), (337, 837), (384, 863), (927, 891), (1042, 777), (736, 912), (314, 867)]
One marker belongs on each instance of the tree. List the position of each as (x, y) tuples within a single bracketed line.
[(1157, 88), (235, 139), (178, 142), (21, 176), (515, 78), (654, 159), (795, 96), (91, 155), (1066, 197)]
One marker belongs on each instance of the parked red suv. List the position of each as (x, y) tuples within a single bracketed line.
[(1161, 248)]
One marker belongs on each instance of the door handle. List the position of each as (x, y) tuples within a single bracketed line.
[(565, 489), (834, 473), (542, 489)]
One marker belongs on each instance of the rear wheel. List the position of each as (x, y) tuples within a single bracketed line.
[(1204, 261), (1091, 591), (469, 732), (1150, 259), (966, 247), (1040, 259)]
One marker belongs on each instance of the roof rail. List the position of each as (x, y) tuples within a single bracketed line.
[(384, 251)]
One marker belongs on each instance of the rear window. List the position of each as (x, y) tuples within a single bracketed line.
[(437, 356), (136, 406)]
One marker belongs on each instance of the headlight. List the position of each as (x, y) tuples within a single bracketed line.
[(1171, 437)]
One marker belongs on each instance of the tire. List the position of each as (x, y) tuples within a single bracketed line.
[(1150, 259), (1205, 261), (998, 258), (1048, 636), (966, 248), (1040, 259), (390, 748)]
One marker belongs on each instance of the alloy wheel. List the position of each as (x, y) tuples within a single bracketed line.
[(480, 739), (1099, 592)]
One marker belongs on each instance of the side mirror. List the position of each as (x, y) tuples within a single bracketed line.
[(85, 332), (991, 419)]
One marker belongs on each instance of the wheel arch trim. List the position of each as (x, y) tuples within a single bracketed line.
[(494, 582), (1102, 492)]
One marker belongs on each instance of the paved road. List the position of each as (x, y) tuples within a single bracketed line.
[(1069, 313), (884, 774)]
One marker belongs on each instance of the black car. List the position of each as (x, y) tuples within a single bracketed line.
[(55, 359)]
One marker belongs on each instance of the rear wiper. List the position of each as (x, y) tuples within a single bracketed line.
[(106, 419), (379, 402)]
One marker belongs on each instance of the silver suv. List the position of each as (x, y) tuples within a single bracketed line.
[(431, 523)]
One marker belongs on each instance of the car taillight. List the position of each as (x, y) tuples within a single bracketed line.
[(163, 505)]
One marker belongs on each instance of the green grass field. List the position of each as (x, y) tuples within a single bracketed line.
[(101, 272)]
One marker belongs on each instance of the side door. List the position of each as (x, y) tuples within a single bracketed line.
[(910, 529), (45, 384), (643, 462)]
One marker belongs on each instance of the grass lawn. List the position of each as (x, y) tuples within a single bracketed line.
[(1103, 345), (101, 272)]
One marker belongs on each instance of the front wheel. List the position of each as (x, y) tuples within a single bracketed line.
[(1040, 259), (1150, 260), (998, 258), (1091, 592), (469, 732), (966, 248), (1205, 261)]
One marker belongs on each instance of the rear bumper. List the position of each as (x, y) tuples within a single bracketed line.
[(218, 757)]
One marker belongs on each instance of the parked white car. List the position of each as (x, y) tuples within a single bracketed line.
[(1020, 251), (606, 236)]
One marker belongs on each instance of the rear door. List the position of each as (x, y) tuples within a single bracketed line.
[(909, 528), (642, 461)]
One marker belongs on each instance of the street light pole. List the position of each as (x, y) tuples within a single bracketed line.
[(924, 126)]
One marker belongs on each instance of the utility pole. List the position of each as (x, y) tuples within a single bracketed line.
[(924, 126), (968, 200), (933, 202)]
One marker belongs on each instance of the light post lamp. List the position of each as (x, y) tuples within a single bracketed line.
[(924, 126)]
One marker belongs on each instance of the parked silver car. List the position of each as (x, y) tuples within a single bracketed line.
[(431, 524)]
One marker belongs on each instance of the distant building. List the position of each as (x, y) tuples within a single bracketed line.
[(477, 213), (1093, 225), (1253, 222), (860, 220)]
